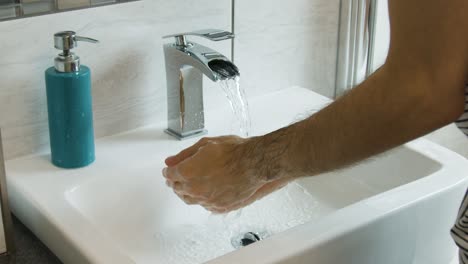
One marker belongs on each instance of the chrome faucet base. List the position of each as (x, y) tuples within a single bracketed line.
[(186, 64), (187, 136)]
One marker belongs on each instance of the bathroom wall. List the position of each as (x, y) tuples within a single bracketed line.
[(449, 136), (278, 45), (285, 43), (128, 65)]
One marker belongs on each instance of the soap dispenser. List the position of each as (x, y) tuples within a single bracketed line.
[(69, 105)]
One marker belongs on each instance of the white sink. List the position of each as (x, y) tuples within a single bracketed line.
[(397, 208)]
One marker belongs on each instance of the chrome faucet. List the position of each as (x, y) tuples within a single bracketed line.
[(186, 62)]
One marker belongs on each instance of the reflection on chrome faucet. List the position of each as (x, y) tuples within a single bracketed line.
[(186, 62)]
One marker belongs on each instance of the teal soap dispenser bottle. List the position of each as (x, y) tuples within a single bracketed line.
[(69, 105)]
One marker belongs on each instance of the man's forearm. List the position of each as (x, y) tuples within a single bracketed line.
[(419, 89), (387, 110)]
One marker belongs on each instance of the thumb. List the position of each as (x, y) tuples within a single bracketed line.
[(186, 153)]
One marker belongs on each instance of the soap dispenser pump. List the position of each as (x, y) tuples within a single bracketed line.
[(69, 105)]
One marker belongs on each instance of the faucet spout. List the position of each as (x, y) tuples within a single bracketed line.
[(186, 63), (224, 69), (211, 63)]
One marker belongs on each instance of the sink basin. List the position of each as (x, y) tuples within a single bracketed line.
[(396, 208)]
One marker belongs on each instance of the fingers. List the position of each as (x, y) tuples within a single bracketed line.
[(188, 199), (177, 186), (179, 191), (217, 210), (186, 153), (172, 174)]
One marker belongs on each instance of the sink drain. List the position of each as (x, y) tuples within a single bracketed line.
[(245, 240)]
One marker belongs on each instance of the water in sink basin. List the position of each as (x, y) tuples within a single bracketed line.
[(152, 225), (147, 221)]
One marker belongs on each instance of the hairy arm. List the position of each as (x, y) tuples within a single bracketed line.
[(419, 89)]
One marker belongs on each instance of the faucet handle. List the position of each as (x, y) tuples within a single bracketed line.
[(211, 34)]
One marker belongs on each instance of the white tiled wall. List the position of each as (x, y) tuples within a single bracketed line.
[(285, 43), (279, 44), (128, 65)]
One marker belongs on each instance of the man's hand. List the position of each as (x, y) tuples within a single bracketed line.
[(221, 174)]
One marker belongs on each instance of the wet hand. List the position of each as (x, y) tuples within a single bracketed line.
[(221, 174)]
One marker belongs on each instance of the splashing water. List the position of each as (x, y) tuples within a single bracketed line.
[(188, 244), (239, 105)]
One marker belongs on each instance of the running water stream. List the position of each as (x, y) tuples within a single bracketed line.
[(239, 105)]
